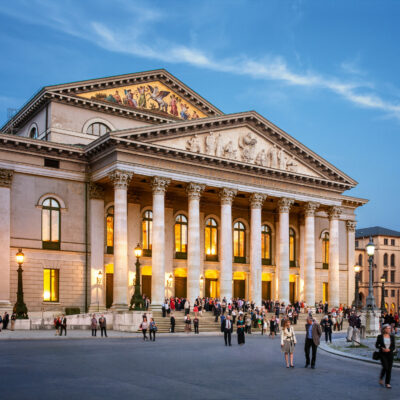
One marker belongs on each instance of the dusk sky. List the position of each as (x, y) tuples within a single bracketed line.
[(326, 72)]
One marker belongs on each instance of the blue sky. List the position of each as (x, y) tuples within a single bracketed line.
[(327, 72)]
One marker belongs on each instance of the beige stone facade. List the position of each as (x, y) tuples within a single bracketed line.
[(223, 205)]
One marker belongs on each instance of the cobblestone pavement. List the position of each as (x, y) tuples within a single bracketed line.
[(179, 368)]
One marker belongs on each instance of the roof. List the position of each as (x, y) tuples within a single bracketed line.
[(376, 231)]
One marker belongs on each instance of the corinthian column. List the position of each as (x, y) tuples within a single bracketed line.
[(351, 228), (121, 180), (97, 299), (159, 185), (284, 207), (256, 202), (6, 176), (309, 213), (194, 191), (334, 214), (226, 196)]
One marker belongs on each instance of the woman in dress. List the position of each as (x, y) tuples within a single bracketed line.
[(188, 324), (93, 325), (288, 342), (143, 326), (240, 329), (386, 345), (272, 327)]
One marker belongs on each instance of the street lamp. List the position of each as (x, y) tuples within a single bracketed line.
[(20, 308), (383, 280), (357, 296), (99, 281), (370, 302), (137, 299)]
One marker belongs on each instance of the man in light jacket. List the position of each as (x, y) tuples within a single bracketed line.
[(313, 335)]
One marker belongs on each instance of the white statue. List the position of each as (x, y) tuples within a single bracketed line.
[(282, 159), (210, 144), (218, 146), (247, 145), (193, 144), (273, 157), (261, 158), (229, 151), (291, 165)]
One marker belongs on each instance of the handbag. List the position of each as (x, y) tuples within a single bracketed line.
[(376, 355)]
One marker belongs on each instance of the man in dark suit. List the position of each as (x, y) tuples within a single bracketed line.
[(227, 329), (63, 325), (172, 323), (313, 334)]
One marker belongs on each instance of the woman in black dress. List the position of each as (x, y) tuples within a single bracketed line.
[(240, 329), (386, 345)]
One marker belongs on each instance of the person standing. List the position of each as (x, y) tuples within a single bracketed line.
[(188, 324), (63, 325), (313, 335), (327, 325), (103, 326), (143, 327), (13, 318), (152, 329), (228, 329), (196, 324), (288, 342), (172, 320), (272, 326), (240, 330), (385, 342), (6, 320), (187, 307), (93, 325)]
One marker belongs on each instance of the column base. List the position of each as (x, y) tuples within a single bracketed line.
[(371, 322), (119, 307), (96, 309), (155, 307)]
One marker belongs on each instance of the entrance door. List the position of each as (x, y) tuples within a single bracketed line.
[(266, 290), (292, 292), (211, 288), (180, 287), (146, 285), (325, 292), (109, 290), (239, 288)]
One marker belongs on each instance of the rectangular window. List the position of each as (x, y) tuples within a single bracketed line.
[(356, 244), (51, 163), (386, 293), (385, 275), (50, 284), (393, 293), (392, 276), (385, 241), (392, 242)]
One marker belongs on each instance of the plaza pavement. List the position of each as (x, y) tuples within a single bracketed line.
[(180, 367)]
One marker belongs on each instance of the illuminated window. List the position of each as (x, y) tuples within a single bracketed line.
[(325, 250), (110, 230), (51, 223), (211, 240), (239, 242), (50, 284), (266, 245), (181, 225), (292, 247), (97, 129), (147, 228)]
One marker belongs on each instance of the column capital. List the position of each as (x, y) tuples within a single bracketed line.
[(257, 200), (227, 195), (351, 226), (194, 190), (120, 178), (284, 204), (309, 208), (334, 212), (159, 184), (96, 191), (6, 176)]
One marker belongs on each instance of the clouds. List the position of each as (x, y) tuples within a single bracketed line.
[(138, 35)]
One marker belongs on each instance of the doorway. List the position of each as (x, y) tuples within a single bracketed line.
[(211, 288), (146, 286), (239, 288), (109, 290), (266, 290), (292, 292), (180, 287)]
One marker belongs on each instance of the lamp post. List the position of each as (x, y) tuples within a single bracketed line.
[(99, 282), (357, 296), (137, 300), (20, 308), (370, 303), (383, 280)]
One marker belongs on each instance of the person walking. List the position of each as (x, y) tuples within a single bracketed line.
[(288, 343), (272, 326), (188, 324), (172, 320), (196, 324), (103, 325), (228, 329), (143, 326), (313, 335), (152, 329), (385, 342), (327, 325), (93, 325), (240, 330), (63, 325)]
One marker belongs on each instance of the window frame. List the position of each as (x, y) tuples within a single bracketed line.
[(49, 244), (266, 261), (99, 124), (110, 249), (57, 280), (181, 255), (386, 260), (392, 260), (241, 246), (211, 257), (292, 263), (147, 252)]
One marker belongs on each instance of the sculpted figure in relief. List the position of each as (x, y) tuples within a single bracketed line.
[(291, 165), (247, 145), (282, 159), (273, 157), (261, 158), (210, 144), (218, 146), (193, 144), (229, 151)]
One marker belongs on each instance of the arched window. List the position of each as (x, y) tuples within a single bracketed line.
[(385, 260), (392, 260), (51, 224), (33, 133), (325, 250), (239, 242), (360, 260), (292, 247), (266, 245), (147, 229), (211, 240), (181, 225), (110, 230), (97, 129)]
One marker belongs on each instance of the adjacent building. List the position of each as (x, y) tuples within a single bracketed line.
[(223, 205)]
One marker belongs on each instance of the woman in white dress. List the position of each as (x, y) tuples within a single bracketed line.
[(288, 342)]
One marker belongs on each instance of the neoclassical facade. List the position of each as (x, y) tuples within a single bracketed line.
[(223, 205)]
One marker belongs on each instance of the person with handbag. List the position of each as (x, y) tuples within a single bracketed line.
[(153, 329), (385, 343), (143, 327), (93, 325), (288, 342), (240, 329)]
